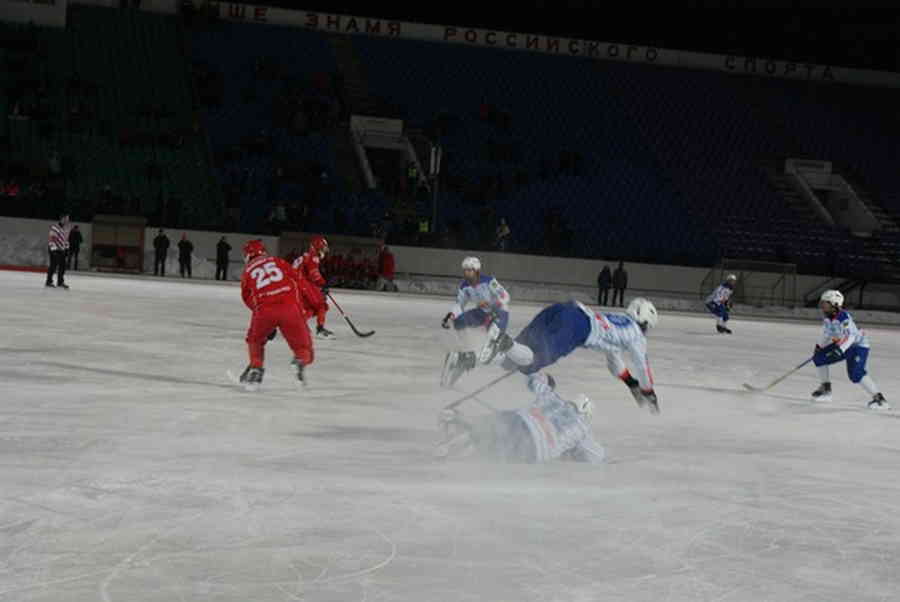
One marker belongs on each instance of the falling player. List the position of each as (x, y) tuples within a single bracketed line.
[(719, 303), (841, 340), (550, 428), (313, 285), (491, 313), (270, 287), (560, 329)]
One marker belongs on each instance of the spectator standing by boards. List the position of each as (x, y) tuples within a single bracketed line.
[(58, 245), (620, 283), (161, 248), (222, 251), (185, 250)]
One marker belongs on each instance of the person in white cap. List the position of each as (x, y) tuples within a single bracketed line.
[(491, 313), (842, 341), (719, 303)]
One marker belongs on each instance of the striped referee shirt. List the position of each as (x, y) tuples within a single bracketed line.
[(59, 237)]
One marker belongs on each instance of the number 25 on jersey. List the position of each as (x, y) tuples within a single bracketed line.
[(266, 274)]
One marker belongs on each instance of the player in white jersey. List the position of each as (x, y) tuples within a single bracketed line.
[(490, 312), (549, 428), (719, 303), (562, 328), (841, 341)]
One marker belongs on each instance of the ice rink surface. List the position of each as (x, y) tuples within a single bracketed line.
[(131, 469)]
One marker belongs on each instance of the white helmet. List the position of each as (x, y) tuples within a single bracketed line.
[(731, 277), (643, 312), (471, 263), (836, 298), (583, 405)]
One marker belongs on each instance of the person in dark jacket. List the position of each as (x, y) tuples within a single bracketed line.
[(161, 246), (185, 250), (604, 282), (222, 250), (620, 283), (75, 240)]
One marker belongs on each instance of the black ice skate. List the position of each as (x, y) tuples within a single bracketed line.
[(299, 366), (823, 393), (49, 285), (879, 403), (455, 365), (500, 342), (243, 377), (722, 329), (324, 333), (254, 379)]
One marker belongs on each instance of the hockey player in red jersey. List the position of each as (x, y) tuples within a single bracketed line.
[(271, 289), (313, 286)]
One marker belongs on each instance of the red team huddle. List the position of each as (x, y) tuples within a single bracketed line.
[(283, 297)]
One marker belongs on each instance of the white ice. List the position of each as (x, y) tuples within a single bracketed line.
[(131, 470)]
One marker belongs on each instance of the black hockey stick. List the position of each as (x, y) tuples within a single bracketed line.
[(777, 380), (346, 317), (475, 393)]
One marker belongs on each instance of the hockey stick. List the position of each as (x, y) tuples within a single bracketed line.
[(475, 393), (777, 380), (346, 317)]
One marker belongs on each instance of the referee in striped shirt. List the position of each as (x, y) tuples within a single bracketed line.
[(59, 246)]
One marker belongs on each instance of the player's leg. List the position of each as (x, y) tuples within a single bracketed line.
[(320, 307), (857, 358), (51, 269), (823, 392), (494, 344), (292, 324), (262, 322), (61, 270), (457, 363), (554, 333)]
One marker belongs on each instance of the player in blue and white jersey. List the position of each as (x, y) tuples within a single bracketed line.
[(560, 329), (550, 428), (719, 303), (841, 341), (481, 303)]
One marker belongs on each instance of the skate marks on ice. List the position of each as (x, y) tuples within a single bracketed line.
[(132, 375), (247, 542)]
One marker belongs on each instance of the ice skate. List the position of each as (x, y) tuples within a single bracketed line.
[(823, 393), (879, 403), (498, 343), (722, 329), (253, 380), (455, 365), (301, 379)]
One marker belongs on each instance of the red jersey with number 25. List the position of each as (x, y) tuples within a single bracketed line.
[(269, 280)]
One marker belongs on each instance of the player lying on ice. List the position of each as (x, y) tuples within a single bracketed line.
[(491, 312), (560, 329), (719, 303), (841, 341), (549, 428), (270, 288)]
